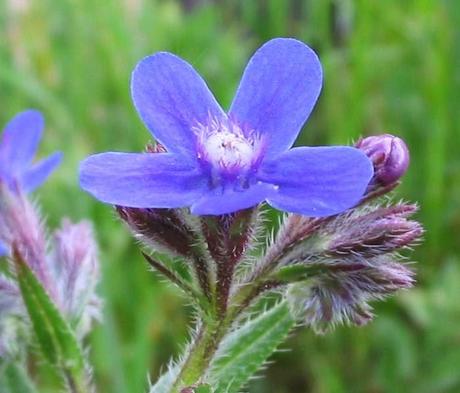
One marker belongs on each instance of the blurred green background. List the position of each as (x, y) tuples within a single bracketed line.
[(390, 66)]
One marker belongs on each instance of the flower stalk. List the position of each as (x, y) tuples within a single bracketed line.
[(200, 355)]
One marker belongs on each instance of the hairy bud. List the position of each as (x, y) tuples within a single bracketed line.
[(165, 230), (379, 231), (341, 294), (365, 232), (162, 229), (21, 224), (76, 270)]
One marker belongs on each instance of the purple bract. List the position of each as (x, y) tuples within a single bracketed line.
[(18, 145), (219, 162)]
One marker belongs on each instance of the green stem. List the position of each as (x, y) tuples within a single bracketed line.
[(200, 355), (210, 336), (75, 382)]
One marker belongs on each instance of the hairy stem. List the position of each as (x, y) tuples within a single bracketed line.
[(201, 353), (210, 336), (74, 382), (295, 228)]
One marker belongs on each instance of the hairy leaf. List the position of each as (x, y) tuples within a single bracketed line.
[(245, 350), (56, 339)]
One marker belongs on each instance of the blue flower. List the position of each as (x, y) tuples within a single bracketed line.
[(18, 145), (219, 162), (3, 249)]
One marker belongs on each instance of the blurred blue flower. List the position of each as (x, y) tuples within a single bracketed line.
[(18, 145), (218, 163), (3, 249)]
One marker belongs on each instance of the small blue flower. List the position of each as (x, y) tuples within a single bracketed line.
[(18, 145), (219, 162), (3, 249)]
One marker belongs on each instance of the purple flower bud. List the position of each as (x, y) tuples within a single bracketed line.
[(390, 157), (365, 232), (69, 274), (341, 294), (162, 229), (21, 224), (380, 231), (76, 273)]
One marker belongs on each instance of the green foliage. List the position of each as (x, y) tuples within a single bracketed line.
[(245, 350), (390, 66), (57, 341), (14, 379)]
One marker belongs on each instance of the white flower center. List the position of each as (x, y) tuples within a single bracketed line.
[(228, 149), (226, 146)]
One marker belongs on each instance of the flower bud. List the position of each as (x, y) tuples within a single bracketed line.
[(21, 224), (76, 273), (390, 157), (342, 293), (162, 229), (380, 231)]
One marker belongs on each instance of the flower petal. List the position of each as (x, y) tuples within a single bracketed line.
[(279, 88), (38, 173), (171, 98), (228, 201), (318, 181), (159, 180), (20, 140)]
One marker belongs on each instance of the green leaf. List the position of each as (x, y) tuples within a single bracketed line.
[(14, 379), (55, 337), (245, 350)]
